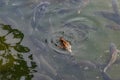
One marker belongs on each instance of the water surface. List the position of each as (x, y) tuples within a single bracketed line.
[(89, 25)]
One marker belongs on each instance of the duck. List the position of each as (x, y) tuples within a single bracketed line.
[(64, 44)]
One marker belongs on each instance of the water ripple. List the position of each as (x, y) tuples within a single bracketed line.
[(74, 30), (39, 11)]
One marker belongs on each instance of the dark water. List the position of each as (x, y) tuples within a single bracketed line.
[(30, 31)]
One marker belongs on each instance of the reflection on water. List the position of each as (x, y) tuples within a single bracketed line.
[(89, 25), (12, 63)]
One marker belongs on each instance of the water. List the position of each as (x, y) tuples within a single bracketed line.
[(32, 29)]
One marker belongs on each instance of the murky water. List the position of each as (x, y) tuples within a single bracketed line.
[(29, 37)]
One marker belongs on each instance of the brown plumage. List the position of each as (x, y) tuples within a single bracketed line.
[(65, 44)]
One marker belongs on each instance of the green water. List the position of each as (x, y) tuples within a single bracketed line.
[(93, 49), (28, 49)]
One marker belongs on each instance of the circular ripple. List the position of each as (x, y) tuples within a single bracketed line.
[(72, 34), (75, 30), (82, 23)]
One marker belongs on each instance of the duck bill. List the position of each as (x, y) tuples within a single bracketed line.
[(69, 50)]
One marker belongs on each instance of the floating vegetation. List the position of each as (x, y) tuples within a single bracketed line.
[(12, 63)]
